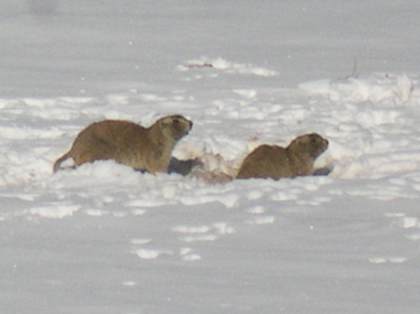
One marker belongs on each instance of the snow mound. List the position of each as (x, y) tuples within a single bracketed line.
[(376, 89), (226, 66)]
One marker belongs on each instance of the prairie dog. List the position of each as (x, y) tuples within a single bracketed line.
[(275, 162), (147, 149)]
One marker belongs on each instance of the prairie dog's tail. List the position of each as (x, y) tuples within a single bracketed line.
[(58, 162)]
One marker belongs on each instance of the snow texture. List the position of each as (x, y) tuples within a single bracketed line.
[(104, 238)]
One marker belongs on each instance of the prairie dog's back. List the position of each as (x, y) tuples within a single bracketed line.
[(110, 139), (264, 162), (119, 134)]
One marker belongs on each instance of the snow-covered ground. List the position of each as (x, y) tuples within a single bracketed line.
[(106, 239)]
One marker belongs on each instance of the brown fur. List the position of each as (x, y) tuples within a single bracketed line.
[(271, 161), (128, 143)]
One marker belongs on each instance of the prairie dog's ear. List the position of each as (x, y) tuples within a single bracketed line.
[(163, 124), (166, 121), (177, 122)]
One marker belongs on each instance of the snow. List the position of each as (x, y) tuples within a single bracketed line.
[(226, 67), (103, 238)]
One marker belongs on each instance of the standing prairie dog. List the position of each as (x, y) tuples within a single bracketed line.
[(147, 149), (275, 162)]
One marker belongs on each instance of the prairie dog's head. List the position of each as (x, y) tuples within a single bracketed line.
[(174, 126), (309, 144)]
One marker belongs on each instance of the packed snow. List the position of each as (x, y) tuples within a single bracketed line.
[(103, 238)]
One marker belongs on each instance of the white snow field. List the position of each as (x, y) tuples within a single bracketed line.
[(105, 239)]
